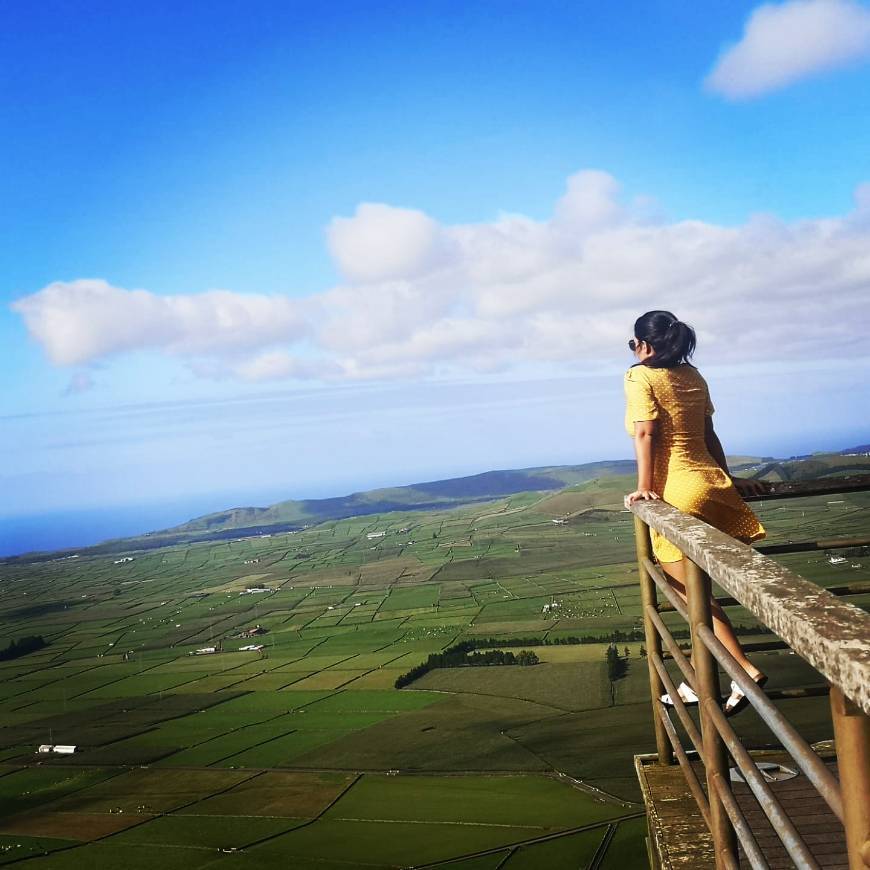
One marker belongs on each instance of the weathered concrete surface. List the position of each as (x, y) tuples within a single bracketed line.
[(680, 838), (830, 634)]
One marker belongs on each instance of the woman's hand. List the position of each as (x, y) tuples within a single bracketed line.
[(748, 487), (638, 494)]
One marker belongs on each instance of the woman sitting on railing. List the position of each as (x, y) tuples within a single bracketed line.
[(680, 460)]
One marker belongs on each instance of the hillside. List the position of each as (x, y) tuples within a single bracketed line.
[(855, 460), (440, 494), (489, 485), (564, 489)]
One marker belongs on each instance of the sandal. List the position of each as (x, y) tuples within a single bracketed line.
[(686, 693), (738, 700)]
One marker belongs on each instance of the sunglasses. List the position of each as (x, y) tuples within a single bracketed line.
[(632, 344)]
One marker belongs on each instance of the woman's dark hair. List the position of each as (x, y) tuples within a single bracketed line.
[(673, 341)]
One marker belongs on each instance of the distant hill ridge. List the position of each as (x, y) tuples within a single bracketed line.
[(291, 515), (458, 491), (861, 449), (452, 492)]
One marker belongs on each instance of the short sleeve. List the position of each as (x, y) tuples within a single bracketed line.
[(708, 403), (640, 404)]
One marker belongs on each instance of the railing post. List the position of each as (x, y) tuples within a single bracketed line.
[(651, 638), (852, 741), (698, 593)]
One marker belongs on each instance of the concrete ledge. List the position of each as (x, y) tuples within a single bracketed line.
[(833, 636)]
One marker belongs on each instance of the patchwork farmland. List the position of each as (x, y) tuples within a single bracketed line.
[(299, 752)]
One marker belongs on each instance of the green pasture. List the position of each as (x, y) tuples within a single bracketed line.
[(573, 850), (304, 754), (15, 847), (275, 794), (520, 801)]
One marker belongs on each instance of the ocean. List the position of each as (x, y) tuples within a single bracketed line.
[(60, 530)]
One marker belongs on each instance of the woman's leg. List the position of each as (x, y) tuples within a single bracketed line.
[(675, 573)]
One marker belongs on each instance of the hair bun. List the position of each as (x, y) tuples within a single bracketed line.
[(672, 340)]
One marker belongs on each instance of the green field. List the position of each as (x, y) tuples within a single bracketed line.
[(303, 754)]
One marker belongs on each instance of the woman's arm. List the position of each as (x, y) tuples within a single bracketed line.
[(644, 432), (744, 486), (714, 445)]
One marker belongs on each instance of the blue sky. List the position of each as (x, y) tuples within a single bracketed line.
[(431, 224)]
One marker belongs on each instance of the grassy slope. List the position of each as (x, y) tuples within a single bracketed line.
[(240, 746), (490, 485), (557, 491), (440, 493)]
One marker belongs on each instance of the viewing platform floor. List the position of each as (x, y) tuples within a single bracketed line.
[(678, 836)]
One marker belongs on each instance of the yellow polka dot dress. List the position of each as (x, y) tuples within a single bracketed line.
[(684, 473)]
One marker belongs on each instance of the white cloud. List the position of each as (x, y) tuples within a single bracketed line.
[(511, 293), (78, 321), (783, 43), (862, 199), (589, 203), (382, 243)]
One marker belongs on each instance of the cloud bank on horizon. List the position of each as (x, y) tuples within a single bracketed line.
[(784, 43), (421, 297)]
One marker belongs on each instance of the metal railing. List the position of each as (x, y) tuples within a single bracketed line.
[(832, 635)]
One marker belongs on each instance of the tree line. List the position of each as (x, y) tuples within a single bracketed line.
[(616, 636), (18, 648), (617, 665), (462, 655)]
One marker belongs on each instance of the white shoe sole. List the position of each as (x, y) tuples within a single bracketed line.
[(686, 693)]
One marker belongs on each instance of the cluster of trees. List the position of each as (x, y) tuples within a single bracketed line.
[(617, 665), (22, 647), (482, 643), (616, 636), (500, 657), (462, 655), (686, 645)]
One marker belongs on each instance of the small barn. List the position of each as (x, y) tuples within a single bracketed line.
[(57, 748)]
